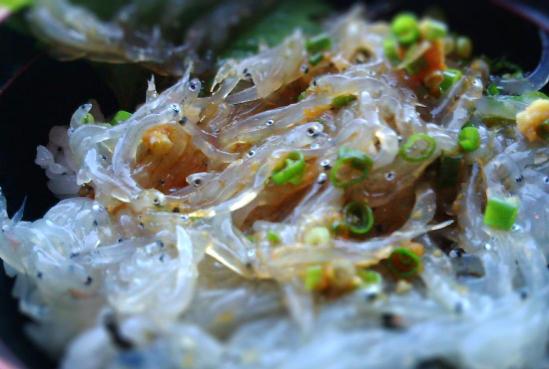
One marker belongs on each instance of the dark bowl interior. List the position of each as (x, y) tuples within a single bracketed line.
[(48, 91)]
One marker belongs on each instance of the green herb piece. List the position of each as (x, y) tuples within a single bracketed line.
[(273, 237), (369, 277), (390, 49), (88, 118), (493, 90), (405, 28), (292, 170), (313, 277), (351, 167), (342, 100), (120, 116), (500, 214), (469, 139), (358, 217), (419, 147), (451, 77), (404, 263), (318, 43)]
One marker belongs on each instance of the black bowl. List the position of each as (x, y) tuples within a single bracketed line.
[(38, 92)]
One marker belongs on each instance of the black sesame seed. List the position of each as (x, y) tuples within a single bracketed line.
[(391, 321)]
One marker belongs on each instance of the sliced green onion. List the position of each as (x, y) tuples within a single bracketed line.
[(318, 43), (390, 49), (432, 29), (358, 217), (469, 139), (493, 90), (451, 77), (316, 58), (120, 117), (273, 237), (351, 167), (419, 147), (405, 28), (343, 100), (88, 118), (404, 263), (449, 168), (543, 130), (369, 277), (292, 170), (317, 236), (500, 214), (464, 47), (313, 277)]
